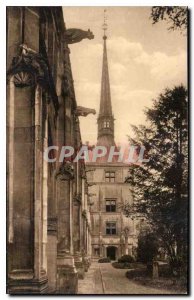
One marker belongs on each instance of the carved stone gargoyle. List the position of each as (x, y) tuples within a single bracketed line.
[(65, 171), (75, 35), (84, 111)]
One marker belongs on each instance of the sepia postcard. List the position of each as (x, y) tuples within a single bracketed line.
[(97, 150)]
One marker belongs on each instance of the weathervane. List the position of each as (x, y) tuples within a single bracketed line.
[(105, 26)]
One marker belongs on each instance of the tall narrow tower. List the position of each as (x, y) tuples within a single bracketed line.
[(105, 117), (107, 178)]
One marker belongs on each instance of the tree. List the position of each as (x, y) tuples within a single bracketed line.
[(147, 247), (160, 186), (176, 16)]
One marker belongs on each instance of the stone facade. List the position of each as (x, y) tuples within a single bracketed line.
[(47, 211), (104, 196)]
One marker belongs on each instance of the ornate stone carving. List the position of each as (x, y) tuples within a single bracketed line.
[(23, 79), (65, 172), (77, 198), (29, 67), (84, 111), (74, 35)]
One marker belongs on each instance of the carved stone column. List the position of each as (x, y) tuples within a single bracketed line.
[(40, 207), (27, 273), (82, 208), (67, 278), (52, 253), (77, 224), (27, 174)]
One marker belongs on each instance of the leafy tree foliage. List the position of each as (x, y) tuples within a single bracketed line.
[(176, 16), (160, 186), (147, 247)]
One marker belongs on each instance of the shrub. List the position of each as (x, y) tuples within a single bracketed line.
[(126, 259), (104, 260)]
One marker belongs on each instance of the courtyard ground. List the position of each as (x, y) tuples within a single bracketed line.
[(104, 279)]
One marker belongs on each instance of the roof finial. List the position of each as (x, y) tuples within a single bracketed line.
[(105, 26)]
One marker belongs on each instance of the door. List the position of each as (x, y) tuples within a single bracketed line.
[(111, 252)]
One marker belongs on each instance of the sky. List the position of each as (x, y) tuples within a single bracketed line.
[(143, 59)]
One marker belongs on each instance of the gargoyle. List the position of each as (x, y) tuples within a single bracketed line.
[(74, 35), (83, 111), (65, 171)]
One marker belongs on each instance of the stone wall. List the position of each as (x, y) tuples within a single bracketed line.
[(46, 229)]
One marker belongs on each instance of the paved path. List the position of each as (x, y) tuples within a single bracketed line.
[(104, 279), (92, 283)]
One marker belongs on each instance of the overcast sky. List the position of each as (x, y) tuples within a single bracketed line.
[(143, 59)]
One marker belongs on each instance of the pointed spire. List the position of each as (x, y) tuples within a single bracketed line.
[(105, 118), (105, 100)]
